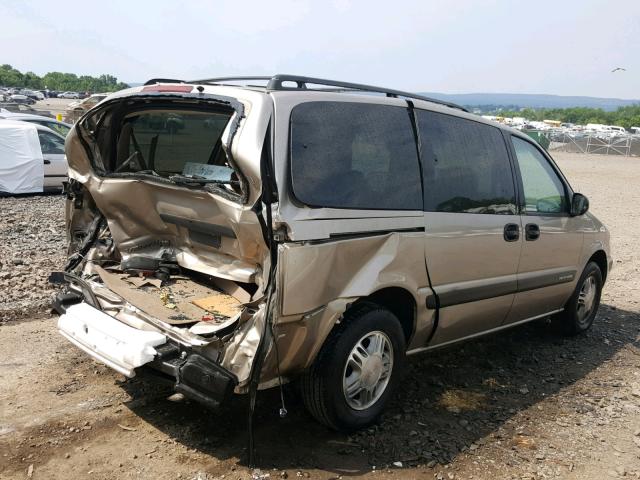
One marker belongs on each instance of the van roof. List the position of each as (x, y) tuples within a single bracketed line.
[(246, 87), (285, 82)]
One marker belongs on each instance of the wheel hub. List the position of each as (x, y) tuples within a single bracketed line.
[(367, 370), (371, 371), (586, 298)]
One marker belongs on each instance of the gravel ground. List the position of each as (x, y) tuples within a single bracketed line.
[(522, 404), (32, 245)]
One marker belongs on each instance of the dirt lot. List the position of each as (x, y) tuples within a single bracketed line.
[(54, 105), (520, 404)]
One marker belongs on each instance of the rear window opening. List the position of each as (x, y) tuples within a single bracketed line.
[(171, 141)]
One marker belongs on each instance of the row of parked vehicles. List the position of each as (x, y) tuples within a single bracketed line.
[(36, 95), (32, 153)]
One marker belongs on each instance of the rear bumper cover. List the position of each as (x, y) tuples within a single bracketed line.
[(108, 340), (125, 349)]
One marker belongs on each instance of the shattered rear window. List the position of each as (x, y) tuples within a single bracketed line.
[(173, 142)]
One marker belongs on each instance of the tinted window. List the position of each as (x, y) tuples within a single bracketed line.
[(543, 190), (50, 143), (466, 166), (354, 155)]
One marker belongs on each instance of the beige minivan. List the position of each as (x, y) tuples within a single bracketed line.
[(300, 228)]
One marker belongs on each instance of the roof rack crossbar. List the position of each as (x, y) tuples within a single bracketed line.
[(277, 81)]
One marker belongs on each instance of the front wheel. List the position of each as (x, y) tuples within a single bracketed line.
[(357, 369), (582, 307)]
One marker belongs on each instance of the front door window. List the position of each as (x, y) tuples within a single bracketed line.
[(543, 191)]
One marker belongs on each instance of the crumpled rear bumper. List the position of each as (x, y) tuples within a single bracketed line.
[(125, 349), (119, 346)]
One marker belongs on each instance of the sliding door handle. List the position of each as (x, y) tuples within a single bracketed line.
[(511, 232), (531, 232)]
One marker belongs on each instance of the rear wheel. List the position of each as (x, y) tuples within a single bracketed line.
[(582, 307), (357, 369)]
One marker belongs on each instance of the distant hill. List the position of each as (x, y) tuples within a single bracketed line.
[(531, 100)]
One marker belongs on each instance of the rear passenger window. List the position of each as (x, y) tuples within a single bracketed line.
[(466, 166), (354, 155)]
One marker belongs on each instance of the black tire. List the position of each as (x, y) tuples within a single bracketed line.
[(322, 384), (574, 319)]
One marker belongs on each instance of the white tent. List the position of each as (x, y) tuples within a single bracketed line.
[(21, 162)]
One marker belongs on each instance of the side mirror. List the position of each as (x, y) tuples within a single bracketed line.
[(579, 204)]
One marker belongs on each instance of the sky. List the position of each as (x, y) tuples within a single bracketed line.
[(563, 47)]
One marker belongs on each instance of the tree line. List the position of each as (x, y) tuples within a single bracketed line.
[(11, 77), (626, 117)]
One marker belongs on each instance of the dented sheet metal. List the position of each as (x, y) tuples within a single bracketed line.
[(319, 281), (152, 218), (315, 274), (240, 353)]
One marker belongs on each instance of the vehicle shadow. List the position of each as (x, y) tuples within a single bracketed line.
[(449, 401)]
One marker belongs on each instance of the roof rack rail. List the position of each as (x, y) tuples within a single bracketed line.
[(162, 80), (276, 83), (230, 79)]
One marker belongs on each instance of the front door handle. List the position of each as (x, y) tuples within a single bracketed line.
[(47, 162), (511, 232), (531, 232)]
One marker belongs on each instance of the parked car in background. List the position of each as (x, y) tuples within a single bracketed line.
[(19, 98), (69, 95), (75, 109), (36, 95), (22, 165), (59, 127), (51, 144), (18, 151), (55, 160), (23, 108), (340, 226)]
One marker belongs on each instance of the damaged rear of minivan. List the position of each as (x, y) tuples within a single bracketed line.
[(169, 262)]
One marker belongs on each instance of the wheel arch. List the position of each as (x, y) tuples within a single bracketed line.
[(401, 303), (600, 258)]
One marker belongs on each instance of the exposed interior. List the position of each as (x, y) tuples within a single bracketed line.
[(177, 140), (157, 229), (154, 283)]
